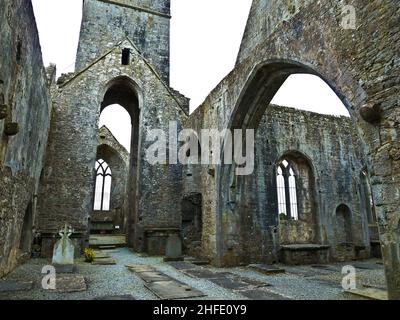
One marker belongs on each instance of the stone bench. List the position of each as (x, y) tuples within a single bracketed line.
[(303, 254)]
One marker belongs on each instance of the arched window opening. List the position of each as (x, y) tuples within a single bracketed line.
[(287, 191), (310, 93), (103, 186), (118, 121)]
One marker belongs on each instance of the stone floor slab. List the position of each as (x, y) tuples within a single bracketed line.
[(150, 277), (202, 274), (139, 268), (370, 293), (70, 283), (180, 265), (173, 290), (104, 262)]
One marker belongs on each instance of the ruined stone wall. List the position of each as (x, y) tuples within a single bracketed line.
[(105, 23), (362, 66), (332, 149), (76, 115), (23, 89), (265, 16)]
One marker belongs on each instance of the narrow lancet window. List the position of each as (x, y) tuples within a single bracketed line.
[(103, 186)]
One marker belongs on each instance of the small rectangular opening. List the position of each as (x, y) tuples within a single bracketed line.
[(126, 56)]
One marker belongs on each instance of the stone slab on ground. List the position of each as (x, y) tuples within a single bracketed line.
[(139, 268), (13, 285), (173, 290), (70, 283), (202, 274), (253, 282), (167, 259), (367, 266), (116, 298), (230, 283), (181, 265), (327, 267), (101, 255), (153, 276), (257, 294), (370, 293), (104, 262), (266, 269)]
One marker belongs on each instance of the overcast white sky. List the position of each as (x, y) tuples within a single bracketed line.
[(205, 39)]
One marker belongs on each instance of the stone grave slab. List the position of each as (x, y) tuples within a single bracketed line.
[(257, 294), (327, 268), (253, 282), (370, 293), (153, 276), (201, 273), (70, 283), (180, 265), (14, 285), (229, 283), (266, 269), (101, 255), (139, 268), (366, 266), (173, 290)]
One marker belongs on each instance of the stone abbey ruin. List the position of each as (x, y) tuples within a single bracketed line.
[(324, 189)]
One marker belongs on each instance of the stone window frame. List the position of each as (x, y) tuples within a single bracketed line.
[(102, 170), (288, 193)]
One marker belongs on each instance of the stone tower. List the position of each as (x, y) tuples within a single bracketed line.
[(145, 22)]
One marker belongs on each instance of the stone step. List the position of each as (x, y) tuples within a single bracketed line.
[(104, 262)]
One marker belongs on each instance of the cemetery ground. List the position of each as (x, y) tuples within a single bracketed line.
[(120, 274)]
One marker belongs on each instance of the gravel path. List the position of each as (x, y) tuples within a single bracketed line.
[(304, 283)]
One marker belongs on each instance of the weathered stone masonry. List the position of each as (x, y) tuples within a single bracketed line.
[(123, 58), (24, 92), (362, 66)]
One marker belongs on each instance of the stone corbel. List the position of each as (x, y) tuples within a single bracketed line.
[(11, 128), (371, 114)]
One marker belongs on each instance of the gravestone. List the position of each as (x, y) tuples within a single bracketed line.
[(63, 254), (173, 250)]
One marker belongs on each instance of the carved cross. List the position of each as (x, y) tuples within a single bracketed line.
[(66, 232)]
